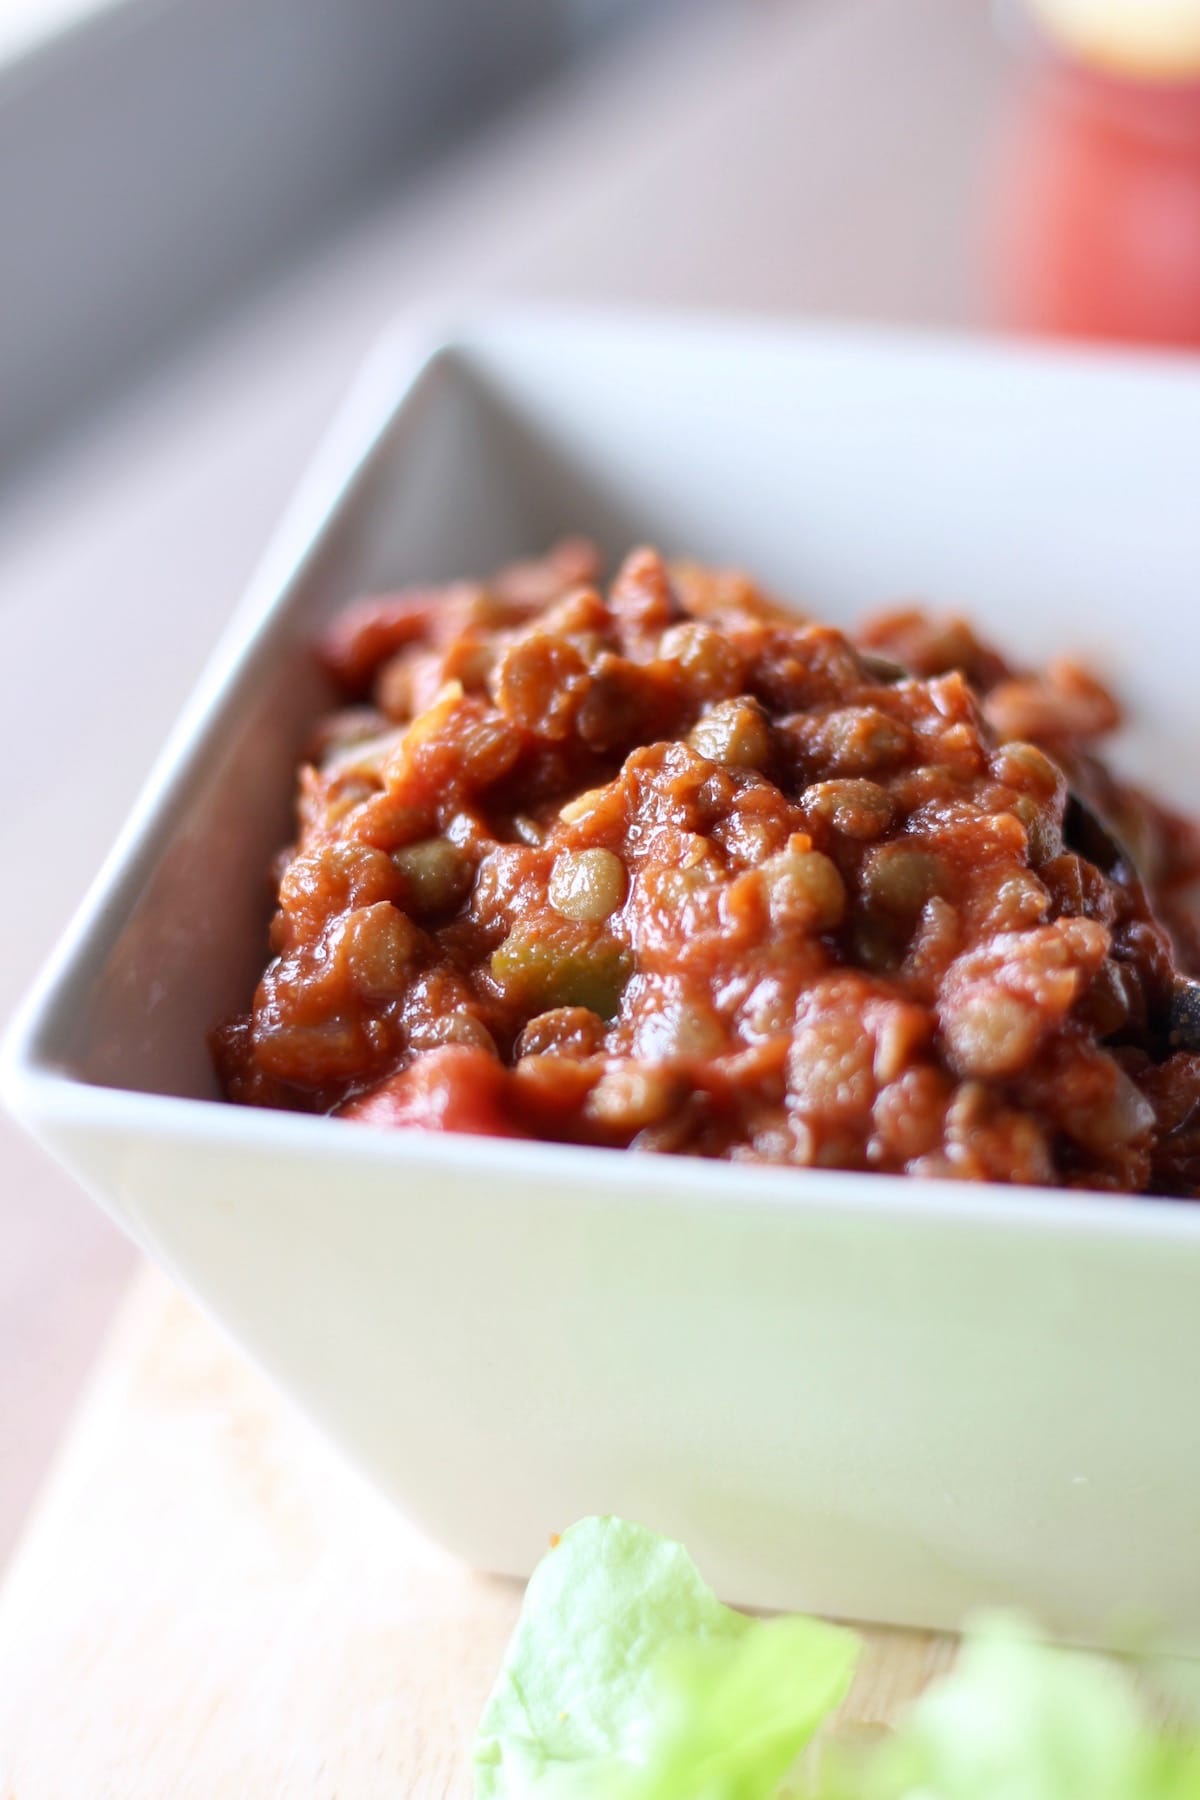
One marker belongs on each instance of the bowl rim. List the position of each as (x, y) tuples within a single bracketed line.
[(50, 1101)]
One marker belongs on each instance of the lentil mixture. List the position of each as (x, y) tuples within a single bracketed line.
[(669, 867)]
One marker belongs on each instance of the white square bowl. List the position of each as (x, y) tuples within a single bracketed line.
[(873, 1397)]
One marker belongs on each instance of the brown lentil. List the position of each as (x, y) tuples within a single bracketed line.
[(587, 884)]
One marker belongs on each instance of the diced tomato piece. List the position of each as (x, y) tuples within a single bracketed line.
[(453, 1089), (366, 633)]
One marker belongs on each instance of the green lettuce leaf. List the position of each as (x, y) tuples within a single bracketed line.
[(1017, 1719), (627, 1679)]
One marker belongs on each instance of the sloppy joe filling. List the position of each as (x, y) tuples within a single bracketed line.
[(667, 866)]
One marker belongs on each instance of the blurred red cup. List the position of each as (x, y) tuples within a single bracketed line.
[(1095, 229)]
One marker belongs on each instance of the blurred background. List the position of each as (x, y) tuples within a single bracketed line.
[(208, 208)]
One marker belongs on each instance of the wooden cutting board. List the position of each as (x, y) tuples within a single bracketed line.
[(209, 1604)]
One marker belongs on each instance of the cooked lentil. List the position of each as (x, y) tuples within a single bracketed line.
[(672, 868)]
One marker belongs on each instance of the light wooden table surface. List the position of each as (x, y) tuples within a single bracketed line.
[(211, 1606)]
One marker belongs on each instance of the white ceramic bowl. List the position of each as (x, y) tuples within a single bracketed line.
[(874, 1397)]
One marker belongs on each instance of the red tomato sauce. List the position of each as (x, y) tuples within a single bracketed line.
[(665, 866)]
